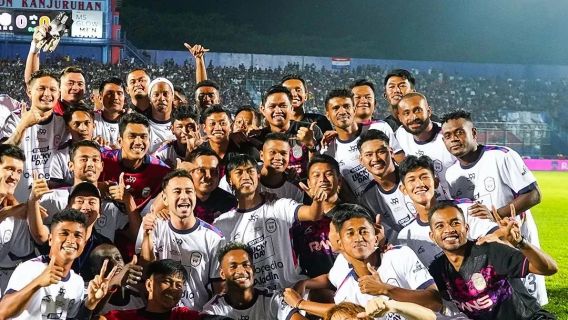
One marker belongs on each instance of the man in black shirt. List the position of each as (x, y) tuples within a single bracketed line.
[(304, 137), (299, 90), (484, 279)]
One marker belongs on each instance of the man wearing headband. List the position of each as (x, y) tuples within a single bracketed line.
[(161, 102)]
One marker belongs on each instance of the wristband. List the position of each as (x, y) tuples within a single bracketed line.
[(298, 304), (33, 48), (521, 244)]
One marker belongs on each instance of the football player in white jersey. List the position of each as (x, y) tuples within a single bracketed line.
[(16, 243), (341, 111), (112, 97), (494, 176), (137, 82), (418, 182), (183, 238), (39, 131), (46, 287), (274, 178), (242, 299), (80, 122), (382, 195), (396, 83), (264, 225), (394, 272), (185, 128), (420, 136), (160, 115)]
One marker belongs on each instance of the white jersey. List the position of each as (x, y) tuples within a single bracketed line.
[(111, 218), (39, 142), (57, 301), (267, 305), (495, 179), (399, 267), (168, 154), (196, 249), (339, 271), (396, 209), (266, 229), (60, 164), (416, 235), (347, 155), (159, 133), (108, 130), (16, 245), (433, 148), (286, 190)]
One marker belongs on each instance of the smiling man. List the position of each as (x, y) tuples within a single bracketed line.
[(39, 131), (140, 169), (242, 300), (137, 82), (397, 83), (112, 92), (183, 238), (161, 101), (46, 287)]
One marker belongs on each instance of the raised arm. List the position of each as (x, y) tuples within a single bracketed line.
[(314, 211), (39, 231), (32, 61), (198, 52)]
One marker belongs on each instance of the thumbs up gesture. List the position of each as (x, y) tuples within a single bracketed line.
[(39, 187), (306, 136), (372, 284), (117, 192), (129, 274)]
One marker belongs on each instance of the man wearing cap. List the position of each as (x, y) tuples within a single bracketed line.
[(84, 197), (161, 102)]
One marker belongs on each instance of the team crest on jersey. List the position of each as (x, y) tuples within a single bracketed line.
[(297, 151), (7, 236), (195, 259), (270, 225), (101, 221), (438, 167), (56, 140), (489, 184), (478, 281), (146, 192), (410, 207)]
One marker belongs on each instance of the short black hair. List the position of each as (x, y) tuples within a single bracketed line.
[(41, 74), (133, 117), (201, 151), (338, 93), (372, 134), (278, 88), (184, 112), (252, 109), (138, 69), (440, 206), (216, 108), (362, 83), (233, 245), (411, 163), (71, 69), (206, 83), (69, 215), (174, 174), (83, 143), (112, 80), (236, 160), (405, 74), (324, 158), (294, 77), (166, 267), (12, 151), (455, 115), (276, 136), (346, 211), (78, 107), (179, 90)]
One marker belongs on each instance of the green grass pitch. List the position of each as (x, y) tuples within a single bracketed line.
[(551, 217)]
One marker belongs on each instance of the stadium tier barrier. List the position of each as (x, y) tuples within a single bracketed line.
[(547, 164)]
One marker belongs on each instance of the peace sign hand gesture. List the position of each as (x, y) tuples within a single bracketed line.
[(98, 287)]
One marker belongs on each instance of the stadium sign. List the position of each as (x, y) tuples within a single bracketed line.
[(59, 5)]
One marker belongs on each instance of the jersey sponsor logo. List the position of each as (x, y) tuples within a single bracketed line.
[(271, 225), (41, 159), (394, 201), (481, 303), (40, 149), (130, 179), (261, 278), (353, 148), (262, 248), (40, 175), (195, 259), (471, 176), (323, 245), (489, 183), (404, 221), (478, 281), (146, 192), (42, 131), (418, 267), (308, 230), (253, 217), (438, 167), (420, 153)]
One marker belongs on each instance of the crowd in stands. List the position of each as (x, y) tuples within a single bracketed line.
[(142, 203), (486, 97)]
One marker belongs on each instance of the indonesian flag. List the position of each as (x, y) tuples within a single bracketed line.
[(337, 62)]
